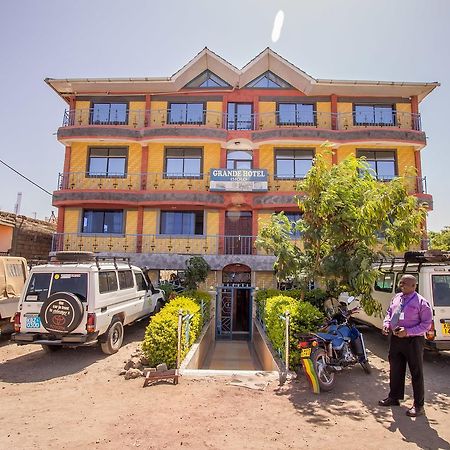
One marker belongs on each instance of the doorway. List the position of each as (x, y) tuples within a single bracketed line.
[(238, 238)]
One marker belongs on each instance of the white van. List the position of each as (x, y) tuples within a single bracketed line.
[(80, 299), (13, 273), (432, 271)]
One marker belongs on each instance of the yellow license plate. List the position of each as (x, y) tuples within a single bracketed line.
[(446, 329), (305, 353)]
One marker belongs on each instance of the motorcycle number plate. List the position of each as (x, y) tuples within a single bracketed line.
[(305, 353)]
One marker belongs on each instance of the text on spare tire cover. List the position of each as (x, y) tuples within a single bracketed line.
[(60, 315)]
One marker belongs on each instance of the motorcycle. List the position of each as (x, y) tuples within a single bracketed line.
[(339, 344)]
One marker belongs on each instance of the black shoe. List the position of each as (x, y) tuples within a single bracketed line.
[(415, 411), (389, 402)]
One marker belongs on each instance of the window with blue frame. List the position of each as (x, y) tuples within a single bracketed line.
[(107, 162), (109, 114), (240, 116), (181, 222), (183, 163), (102, 221), (294, 217), (382, 163), (186, 113), (268, 80), (207, 79), (374, 115), (296, 114), (293, 163)]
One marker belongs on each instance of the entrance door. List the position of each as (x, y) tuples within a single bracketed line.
[(238, 233)]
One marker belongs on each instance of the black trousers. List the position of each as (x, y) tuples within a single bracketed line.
[(401, 351)]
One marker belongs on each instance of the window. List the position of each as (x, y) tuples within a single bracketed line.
[(374, 115), (294, 217), (140, 281), (268, 80), (441, 290), (293, 163), (107, 162), (171, 276), (109, 114), (240, 116), (183, 163), (385, 282), (107, 281), (239, 159), (190, 113), (38, 287), (182, 222), (207, 79), (381, 162), (125, 279), (296, 114), (101, 221), (70, 282)]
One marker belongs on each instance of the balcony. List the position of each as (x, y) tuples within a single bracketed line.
[(158, 244)]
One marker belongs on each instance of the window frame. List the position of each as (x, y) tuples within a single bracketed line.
[(376, 286), (107, 272), (276, 149), (265, 74), (381, 150), (229, 151), (199, 76), (202, 212), (91, 112), (127, 282), (169, 112), (183, 176), (374, 106), (296, 123), (235, 114), (104, 211), (109, 148)]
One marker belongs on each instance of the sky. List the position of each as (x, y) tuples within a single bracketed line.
[(401, 40)]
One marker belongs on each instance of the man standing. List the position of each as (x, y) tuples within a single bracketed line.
[(409, 317)]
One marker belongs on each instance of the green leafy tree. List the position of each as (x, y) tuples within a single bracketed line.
[(349, 220), (440, 240), (196, 272)]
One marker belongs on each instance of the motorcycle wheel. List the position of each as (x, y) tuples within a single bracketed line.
[(366, 366), (326, 378)]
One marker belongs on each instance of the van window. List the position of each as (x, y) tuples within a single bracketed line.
[(441, 290), (125, 279), (399, 277), (76, 283), (38, 287), (107, 281), (140, 282), (385, 282)]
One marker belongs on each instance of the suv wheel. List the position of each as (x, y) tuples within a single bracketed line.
[(114, 338)]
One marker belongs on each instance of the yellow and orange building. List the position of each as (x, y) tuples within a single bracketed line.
[(161, 169)]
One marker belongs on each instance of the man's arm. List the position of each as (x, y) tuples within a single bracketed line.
[(426, 318)]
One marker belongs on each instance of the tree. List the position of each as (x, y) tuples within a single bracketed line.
[(440, 240), (196, 272), (349, 219)]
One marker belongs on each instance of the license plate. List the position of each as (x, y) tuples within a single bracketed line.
[(32, 321), (305, 353), (446, 329)]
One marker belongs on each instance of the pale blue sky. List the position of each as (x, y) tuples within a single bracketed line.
[(401, 40)]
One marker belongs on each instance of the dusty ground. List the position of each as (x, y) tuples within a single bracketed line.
[(75, 399)]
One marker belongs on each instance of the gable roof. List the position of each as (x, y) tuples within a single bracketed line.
[(267, 60)]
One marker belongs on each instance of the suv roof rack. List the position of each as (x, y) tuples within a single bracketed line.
[(421, 257), (112, 259)]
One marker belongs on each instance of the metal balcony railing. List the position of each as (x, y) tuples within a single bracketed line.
[(156, 118)]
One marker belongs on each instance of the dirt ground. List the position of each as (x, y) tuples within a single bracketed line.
[(75, 399)]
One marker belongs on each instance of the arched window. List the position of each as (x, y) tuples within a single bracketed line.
[(239, 159)]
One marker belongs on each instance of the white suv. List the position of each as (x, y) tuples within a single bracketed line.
[(80, 299)]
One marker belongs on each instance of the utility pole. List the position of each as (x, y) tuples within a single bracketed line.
[(17, 205)]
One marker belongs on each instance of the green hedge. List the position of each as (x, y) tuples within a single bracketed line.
[(304, 318), (316, 296), (160, 341), (199, 297)]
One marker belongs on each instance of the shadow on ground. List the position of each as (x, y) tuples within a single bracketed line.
[(356, 396), (40, 366)]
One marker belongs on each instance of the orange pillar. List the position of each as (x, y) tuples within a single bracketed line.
[(144, 167), (334, 111), (140, 229)]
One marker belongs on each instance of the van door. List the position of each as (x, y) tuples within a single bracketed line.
[(440, 284)]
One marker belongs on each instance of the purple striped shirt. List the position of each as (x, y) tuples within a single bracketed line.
[(417, 314)]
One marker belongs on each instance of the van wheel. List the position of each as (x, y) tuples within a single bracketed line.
[(114, 338), (50, 348), (158, 307)]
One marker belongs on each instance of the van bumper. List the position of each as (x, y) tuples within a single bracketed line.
[(437, 345), (47, 339)]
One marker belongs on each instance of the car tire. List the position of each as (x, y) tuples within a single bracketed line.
[(113, 338), (159, 305), (61, 313), (50, 348)]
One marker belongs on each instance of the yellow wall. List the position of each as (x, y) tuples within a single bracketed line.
[(214, 114), (82, 113), (212, 222), (324, 115), (151, 217), (265, 280), (72, 220), (404, 115), (345, 118), (158, 113), (267, 115), (136, 115)]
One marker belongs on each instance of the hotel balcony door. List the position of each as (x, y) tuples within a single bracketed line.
[(238, 233)]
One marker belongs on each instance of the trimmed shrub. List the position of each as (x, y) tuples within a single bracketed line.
[(304, 318), (199, 297), (160, 340)]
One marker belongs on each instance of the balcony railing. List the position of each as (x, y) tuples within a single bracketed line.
[(158, 244), (157, 118)]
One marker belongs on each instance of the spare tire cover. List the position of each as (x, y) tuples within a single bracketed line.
[(61, 313)]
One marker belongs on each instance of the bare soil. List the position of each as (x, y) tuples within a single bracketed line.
[(75, 399)]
